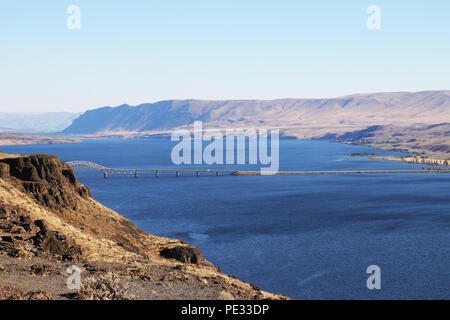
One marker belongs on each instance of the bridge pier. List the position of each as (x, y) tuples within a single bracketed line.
[(136, 174), (157, 173), (178, 173), (197, 173), (105, 175), (217, 173)]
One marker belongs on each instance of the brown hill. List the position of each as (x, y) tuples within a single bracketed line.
[(399, 120), (297, 117)]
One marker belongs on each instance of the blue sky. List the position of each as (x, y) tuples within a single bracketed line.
[(144, 51)]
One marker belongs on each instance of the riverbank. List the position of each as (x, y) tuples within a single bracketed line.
[(424, 141), (413, 159)]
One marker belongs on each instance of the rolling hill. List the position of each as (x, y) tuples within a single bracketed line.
[(302, 118)]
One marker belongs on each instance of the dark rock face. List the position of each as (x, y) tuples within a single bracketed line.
[(20, 235), (50, 181), (55, 242), (15, 220), (185, 254)]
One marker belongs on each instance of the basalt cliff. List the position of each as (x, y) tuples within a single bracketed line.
[(51, 229)]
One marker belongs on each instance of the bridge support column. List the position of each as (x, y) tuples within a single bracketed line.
[(105, 175), (197, 173), (217, 173), (157, 173), (136, 174), (178, 173)]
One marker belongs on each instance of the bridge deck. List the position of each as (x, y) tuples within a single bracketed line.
[(153, 170), (243, 172)]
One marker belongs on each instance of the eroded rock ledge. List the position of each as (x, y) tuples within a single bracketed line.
[(51, 182)]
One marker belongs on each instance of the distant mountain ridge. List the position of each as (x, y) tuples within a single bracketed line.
[(290, 115), (36, 122)]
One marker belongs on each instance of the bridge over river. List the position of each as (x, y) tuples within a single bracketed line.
[(90, 166)]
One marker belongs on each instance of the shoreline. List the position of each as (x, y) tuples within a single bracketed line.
[(413, 159), (20, 139), (427, 158)]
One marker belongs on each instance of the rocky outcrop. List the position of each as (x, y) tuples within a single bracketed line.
[(185, 254), (55, 242), (14, 218), (50, 181), (53, 184), (20, 236)]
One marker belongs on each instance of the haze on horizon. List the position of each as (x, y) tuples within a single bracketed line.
[(149, 51)]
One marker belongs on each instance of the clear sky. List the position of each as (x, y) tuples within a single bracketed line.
[(140, 51)]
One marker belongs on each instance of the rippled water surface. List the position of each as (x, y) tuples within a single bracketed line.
[(309, 237)]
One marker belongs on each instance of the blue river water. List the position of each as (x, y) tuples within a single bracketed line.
[(308, 237)]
